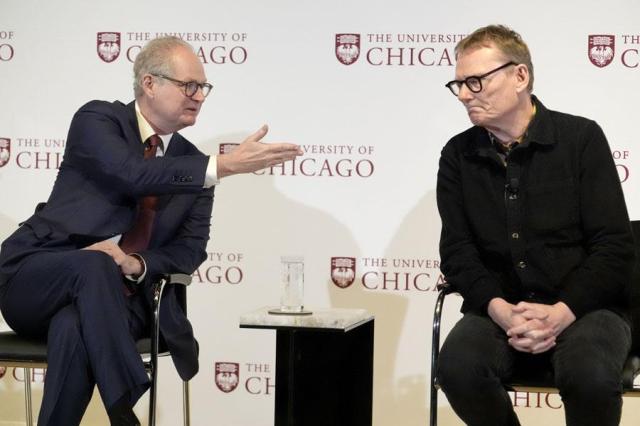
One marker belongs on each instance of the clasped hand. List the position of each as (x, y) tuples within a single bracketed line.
[(531, 327)]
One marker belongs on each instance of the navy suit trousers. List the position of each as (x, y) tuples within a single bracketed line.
[(75, 298)]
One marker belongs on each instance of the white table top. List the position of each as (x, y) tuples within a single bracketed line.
[(321, 318)]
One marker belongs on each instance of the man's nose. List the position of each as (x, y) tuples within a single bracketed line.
[(199, 95), (465, 94)]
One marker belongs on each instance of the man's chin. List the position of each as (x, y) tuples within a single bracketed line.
[(476, 119), (189, 120)]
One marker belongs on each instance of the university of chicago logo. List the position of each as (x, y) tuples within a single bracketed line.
[(601, 49), (5, 151), (347, 48), (108, 45), (227, 376), (343, 271)]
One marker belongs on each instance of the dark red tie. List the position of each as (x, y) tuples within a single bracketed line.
[(137, 238)]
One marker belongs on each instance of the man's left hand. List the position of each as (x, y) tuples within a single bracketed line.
[(128, 264), (544, 323)]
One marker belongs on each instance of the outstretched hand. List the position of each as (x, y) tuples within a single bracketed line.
[(252, 155)]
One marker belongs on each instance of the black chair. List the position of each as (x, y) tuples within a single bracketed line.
[(545, 383), (28, 353)]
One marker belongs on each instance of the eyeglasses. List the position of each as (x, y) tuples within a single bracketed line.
[(190, 87), (474, 82)]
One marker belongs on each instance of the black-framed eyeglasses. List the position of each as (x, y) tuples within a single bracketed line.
[(190, 87), (474, 82)]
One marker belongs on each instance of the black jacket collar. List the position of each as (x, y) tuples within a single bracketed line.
[(540, 131)]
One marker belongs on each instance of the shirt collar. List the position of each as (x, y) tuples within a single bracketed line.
[(507, 147), (540, 131), (147, 131)]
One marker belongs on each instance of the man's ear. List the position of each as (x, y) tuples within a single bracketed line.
[(148, 85), (522, 77)]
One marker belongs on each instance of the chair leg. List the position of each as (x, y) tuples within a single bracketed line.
[(155, 342), (433, 408), (27, 396), (152, 395), (435, 352), (186, 406)]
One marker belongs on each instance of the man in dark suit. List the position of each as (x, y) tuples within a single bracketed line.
[(132, 201)]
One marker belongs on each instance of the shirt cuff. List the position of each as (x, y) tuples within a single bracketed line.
[(139, 278), (211, 176)]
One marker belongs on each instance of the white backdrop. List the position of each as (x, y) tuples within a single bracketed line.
[(365, 189)]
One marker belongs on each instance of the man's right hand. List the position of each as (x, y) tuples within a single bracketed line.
[(528, 330), (501, 312), (129, 264), (253, 155)]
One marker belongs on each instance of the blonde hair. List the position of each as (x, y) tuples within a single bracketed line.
[(503, 38)]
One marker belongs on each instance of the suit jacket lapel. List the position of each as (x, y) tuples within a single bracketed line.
[(176, 148)]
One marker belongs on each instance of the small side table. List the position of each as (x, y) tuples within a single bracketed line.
[(324, 366)]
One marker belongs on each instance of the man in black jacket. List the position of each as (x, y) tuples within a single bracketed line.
[(536, 239)]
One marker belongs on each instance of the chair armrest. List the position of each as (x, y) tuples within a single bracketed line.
[(630, 371), (182, 279), (443, 290), (446, 288), (158, 288)]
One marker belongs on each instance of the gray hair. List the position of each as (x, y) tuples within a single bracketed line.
[(154, 58)]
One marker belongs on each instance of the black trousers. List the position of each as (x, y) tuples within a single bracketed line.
[(586, 363), (75, 298)]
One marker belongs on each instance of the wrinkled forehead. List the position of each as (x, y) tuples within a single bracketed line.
[(477, 60)]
